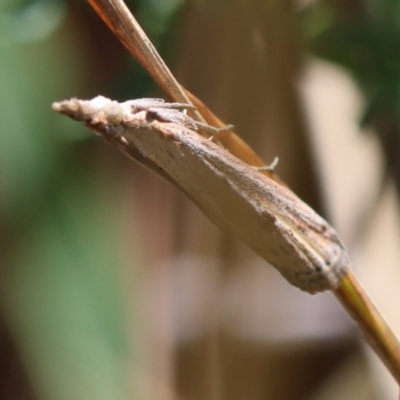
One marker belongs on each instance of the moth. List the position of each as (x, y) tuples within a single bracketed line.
[(266, 215)]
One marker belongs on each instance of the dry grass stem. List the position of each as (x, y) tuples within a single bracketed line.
[(378, 334)]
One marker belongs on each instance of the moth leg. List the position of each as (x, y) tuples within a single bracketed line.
[(177, 106), (212, 130), (271, 167), (148, 104)]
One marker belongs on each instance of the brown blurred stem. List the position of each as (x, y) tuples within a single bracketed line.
[(350, 293)]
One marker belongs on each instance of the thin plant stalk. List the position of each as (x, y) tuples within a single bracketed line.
[(377, 333)]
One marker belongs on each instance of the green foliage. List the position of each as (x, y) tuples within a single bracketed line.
[(364, 39), (63, 231)]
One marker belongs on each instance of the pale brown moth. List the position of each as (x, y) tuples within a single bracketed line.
[(302, 245), (268, 216)]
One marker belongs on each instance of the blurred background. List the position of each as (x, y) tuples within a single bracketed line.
[(112, 284)]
